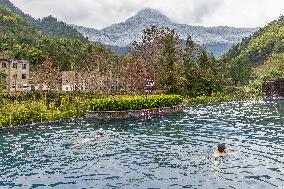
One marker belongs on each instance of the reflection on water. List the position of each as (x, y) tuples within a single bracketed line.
[(158, 153)]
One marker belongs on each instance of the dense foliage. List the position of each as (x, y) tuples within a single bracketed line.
[(255, 51), (177, 68), (273, 68), (52, 27), (49, 25), (135, 103), (261, 45), (19, 39), (28, 112)]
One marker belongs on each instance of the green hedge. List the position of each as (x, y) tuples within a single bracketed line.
[(28, 112), (135, 103)]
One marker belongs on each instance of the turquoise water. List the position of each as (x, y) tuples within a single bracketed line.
[(168, 152)]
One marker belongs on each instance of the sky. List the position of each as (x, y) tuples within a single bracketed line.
[(102, 13)]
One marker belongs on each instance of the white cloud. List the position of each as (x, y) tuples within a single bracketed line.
[(102, 13)]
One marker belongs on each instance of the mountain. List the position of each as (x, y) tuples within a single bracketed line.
[(259, 47), (20, 39), (16, 10), (217, 40), (49, 25), (55, 28)]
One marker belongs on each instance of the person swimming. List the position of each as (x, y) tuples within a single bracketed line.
[(99, 134), (221, 152)]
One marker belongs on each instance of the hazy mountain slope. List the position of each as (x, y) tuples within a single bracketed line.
[(49, 25), (260, 46), (19, 39), (217, 39), (16, 10)]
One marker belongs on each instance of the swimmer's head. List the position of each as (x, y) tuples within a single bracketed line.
[(101, 131), (221, 148)]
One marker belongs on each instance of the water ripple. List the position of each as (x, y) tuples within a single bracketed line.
[(167, 152)]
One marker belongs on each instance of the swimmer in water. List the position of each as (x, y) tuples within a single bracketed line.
[(221, 152), (100, 133)]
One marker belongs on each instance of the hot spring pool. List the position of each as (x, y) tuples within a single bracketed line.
[(158, 153)]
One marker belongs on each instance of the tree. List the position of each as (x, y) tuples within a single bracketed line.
[(169, 61), (240, 70), (46, 75), (158, 53), (208, 75)]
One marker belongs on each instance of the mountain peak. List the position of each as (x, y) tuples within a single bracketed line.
[(150, 15)]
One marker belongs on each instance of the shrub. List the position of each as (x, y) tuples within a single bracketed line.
[(28, 112), (135, 103)]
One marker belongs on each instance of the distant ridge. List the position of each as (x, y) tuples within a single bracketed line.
[(217, 40)]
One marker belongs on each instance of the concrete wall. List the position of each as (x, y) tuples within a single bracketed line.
[(133, 114)]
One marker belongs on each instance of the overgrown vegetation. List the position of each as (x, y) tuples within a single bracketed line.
[(48, 25), (135, 103), (28, 112), (179, 69), (20, 40), (258, 57)]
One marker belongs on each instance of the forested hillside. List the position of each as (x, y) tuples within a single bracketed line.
[(48, 25), (257, 57), (261, 45), (19, 39)]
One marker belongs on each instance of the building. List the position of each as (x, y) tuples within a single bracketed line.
[(17, 72), (274, 88)]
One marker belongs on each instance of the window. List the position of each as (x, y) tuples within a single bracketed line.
[(4, 65), (24, 66), (14, 65), (20, 86), (15, 76), (13, 86), (24, 76), (67, 89)]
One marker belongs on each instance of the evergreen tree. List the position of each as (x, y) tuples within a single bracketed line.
[(170, 58), (190, 68), (208, 75), (240, 70)]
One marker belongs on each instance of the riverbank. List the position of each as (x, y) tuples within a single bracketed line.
[(42, 110), (68, 107), (220, 97)]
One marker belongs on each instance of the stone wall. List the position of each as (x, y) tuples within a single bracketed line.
[(134, 114), (274, 88)]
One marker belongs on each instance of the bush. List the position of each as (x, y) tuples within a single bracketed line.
[(135, 103), (28, 112)]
